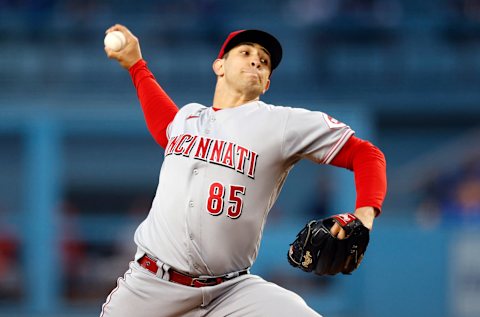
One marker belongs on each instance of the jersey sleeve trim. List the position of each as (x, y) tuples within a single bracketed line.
[(334, 150)]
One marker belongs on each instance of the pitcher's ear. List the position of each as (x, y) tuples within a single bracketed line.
[(267, 86), (217, 67)]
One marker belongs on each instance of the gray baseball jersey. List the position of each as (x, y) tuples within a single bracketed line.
[(222, 172)]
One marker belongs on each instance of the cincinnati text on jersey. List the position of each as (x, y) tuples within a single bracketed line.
[(214, 151)]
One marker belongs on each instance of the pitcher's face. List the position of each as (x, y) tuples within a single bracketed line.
[(246, 68)]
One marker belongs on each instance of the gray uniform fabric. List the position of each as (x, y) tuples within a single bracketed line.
[(222, 172)]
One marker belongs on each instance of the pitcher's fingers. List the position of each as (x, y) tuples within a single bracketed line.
[(110, 29), (115, 27), (111, 53), (335, 229), (125, 30), (121, 28)]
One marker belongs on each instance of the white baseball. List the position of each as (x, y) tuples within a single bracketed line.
[(115, 40)]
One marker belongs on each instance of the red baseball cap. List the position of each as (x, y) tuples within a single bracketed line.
[(268, 41)]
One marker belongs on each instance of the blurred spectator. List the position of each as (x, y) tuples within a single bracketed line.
[(453, 198), (349, 12), (376, 12), (308, 12), (137, 211), (73, 251), (429, 214), (463, 200), (467, 9), (10, 274), (89, 264)]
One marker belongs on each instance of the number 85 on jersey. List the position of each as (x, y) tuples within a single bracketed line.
[(216, 199)]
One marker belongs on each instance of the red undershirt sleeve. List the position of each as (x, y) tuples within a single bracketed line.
[(158, 109), (369, 167)]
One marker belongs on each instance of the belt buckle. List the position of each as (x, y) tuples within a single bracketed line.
[(206, 281)]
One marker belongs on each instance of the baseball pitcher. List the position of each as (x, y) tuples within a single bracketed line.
[(224, 166)]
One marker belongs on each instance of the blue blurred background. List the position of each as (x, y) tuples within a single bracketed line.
[(78, 169)]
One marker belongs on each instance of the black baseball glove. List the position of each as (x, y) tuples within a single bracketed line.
[(315, 249)]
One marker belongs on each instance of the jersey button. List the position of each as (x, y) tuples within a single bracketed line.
[(195, 171), (191, 204)]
